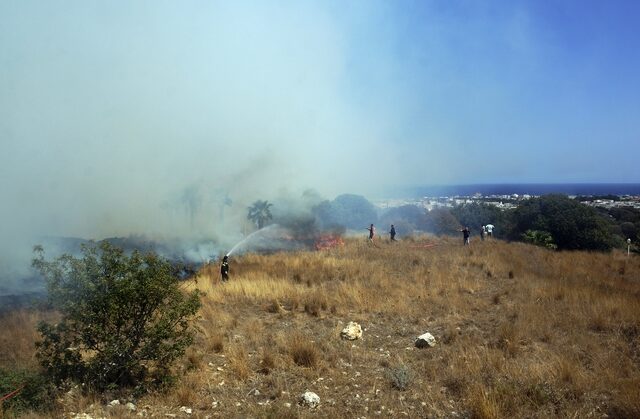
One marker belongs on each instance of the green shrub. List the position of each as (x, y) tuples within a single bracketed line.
[(539, 238), (400, 377), (572, 225), (35, 391), (124, 319)]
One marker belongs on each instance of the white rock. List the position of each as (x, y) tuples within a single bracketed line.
[(131, 406), (352, 331), (114, 403), (186, 410), (425, 340), (310, 399)]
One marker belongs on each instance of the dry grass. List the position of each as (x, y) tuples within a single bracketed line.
[(18, 336), (303, 352), (521, 332)]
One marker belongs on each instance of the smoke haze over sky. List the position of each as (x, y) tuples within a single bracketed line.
[(110, 110)]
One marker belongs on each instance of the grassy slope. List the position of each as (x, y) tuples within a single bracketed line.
[(521, 331)]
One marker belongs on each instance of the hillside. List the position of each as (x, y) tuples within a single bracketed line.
[(521, 331)]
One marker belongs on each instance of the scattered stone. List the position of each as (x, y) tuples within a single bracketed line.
[(186, 410), (131, 406), (113, 403), (352, 331), (310, 399), (287, 405), (425, 340)]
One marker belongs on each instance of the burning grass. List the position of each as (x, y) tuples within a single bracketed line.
[(521, 331)]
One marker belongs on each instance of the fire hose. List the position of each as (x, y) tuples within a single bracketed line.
[(12, 394)]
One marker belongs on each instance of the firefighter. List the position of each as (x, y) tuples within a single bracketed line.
[(224, 268)]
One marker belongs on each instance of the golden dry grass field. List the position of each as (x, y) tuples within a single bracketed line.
[(521, 332)]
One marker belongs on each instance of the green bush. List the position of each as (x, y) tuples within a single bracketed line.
[(124, 319), (572, 225), (539, 238), (400, 377), (35, 391)]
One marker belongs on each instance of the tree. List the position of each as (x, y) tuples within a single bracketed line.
[(440, 221), (347, 210), (123, 319), (474, 215), (191, 198), (260, 213), (571, 224)]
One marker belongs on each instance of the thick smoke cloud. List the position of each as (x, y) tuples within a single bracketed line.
[(164, 121)]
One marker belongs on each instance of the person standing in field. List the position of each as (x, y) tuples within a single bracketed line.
[(465, 234), (489, 228), (392, 233), (482, 233), (224, 269), (372, 232)]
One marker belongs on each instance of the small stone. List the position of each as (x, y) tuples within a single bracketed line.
[(425, 340), (287, 405), (114, 403), (310, 399), (186, 410), (352, 331)]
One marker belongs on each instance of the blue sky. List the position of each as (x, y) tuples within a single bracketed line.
[(108, 110)]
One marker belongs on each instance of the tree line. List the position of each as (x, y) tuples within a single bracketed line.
[(554, 221)]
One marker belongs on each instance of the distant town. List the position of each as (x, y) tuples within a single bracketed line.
[(507, 201)]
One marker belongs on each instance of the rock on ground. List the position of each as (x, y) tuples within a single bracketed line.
[(352, 331), (425, 340), (310, 399)]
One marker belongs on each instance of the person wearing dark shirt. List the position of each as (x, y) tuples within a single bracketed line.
[(392, 233), (465, 234), (372, 232), (224, 269)]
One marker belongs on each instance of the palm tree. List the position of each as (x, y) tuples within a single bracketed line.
[(260, 213)]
